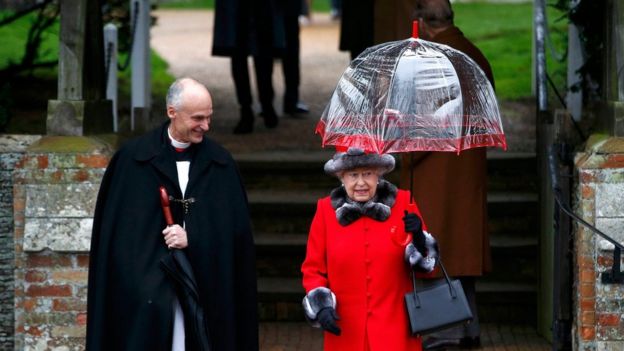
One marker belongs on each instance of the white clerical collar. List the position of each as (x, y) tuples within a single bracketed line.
[(177, 144)]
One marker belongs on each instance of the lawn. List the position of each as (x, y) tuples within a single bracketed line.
[(504, 33)]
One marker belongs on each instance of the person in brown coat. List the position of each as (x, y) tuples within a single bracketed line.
[(365, 23), (451, 188)]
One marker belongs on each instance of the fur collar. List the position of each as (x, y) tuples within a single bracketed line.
[(377, 208)]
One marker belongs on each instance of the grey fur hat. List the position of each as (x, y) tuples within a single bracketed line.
[(356, 158)]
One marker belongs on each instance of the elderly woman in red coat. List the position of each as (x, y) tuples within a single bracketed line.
[(360, 255)]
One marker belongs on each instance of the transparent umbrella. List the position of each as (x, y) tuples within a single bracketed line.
[(412, 95)]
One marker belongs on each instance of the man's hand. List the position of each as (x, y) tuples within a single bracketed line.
[(175, 237), (327, 317)]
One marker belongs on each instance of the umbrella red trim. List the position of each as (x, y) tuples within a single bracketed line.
[(372, 144)]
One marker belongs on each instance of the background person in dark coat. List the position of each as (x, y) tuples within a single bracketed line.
[(131, 303), (243, 28), (451, 189)]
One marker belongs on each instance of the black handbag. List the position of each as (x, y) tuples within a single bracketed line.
[(438, 307)]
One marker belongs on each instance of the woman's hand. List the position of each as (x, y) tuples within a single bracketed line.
[(327, 317), (175, 237), (413, 225)]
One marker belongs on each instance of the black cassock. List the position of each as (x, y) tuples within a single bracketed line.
[(130, 299)]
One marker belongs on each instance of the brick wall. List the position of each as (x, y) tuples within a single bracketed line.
[(55, 187), (11, 149), (599, 309)]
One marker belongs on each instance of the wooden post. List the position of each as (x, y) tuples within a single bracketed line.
[(80, 107)]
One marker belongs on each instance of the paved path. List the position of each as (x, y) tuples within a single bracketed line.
[(184, 39)]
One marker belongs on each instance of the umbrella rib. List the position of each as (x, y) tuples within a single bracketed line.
[(391, 84)]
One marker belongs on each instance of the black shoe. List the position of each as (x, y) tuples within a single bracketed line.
[(246, 123), (299, 107), (270, 118), (433, 343)]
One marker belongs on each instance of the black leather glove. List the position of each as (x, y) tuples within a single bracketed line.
[(413, 224), (327, 317)]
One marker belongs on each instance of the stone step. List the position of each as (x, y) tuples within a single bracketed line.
[(280, 300), (287, 211), (281, 255), (278, 242), (301, 171)]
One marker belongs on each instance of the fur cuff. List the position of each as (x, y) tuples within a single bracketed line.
[(417, 261), (316, 300)]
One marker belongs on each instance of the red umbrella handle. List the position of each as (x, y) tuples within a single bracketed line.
[(164, 202)]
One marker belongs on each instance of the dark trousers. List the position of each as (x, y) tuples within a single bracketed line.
[(263, 65), (290, 57)]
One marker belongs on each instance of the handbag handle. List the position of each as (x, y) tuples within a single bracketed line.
[(446, 277)]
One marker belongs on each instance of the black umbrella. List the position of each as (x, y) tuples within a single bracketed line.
[(180, 272)]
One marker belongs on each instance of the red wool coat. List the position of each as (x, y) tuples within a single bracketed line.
[(364, 267)]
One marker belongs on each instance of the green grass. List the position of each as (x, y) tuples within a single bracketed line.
[(504, 33), (317, 5)]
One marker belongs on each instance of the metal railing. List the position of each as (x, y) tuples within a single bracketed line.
[(612, 276)]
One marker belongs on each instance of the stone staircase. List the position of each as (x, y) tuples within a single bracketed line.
[(283, 189)]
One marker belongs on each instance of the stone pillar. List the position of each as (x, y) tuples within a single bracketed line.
[(11, 150), (81, 107), (55, 190), (599, 311)]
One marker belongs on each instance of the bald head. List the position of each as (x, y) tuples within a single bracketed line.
[(182, 87), (189, 106), (434, 13)]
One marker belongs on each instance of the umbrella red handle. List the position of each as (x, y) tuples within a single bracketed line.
[(164, 202)]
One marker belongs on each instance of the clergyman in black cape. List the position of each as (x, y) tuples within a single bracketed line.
[(132, 305)]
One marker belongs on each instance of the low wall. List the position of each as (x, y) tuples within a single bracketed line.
[(12, 147), (599, 308), (55, 186)]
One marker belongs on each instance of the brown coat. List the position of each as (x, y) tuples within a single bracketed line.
[(451, 190), (368, 22), (393, 20)]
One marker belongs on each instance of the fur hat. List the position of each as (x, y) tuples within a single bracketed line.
[(356, 158)]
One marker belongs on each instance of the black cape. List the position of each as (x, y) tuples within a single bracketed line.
[(130, 299)]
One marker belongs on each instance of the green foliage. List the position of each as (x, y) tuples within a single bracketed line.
[(590, 17), (161, 79), (31, 39), (503, 31)]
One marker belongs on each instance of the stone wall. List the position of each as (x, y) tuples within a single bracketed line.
[(599, 308), (55, 188), (12, 148)]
